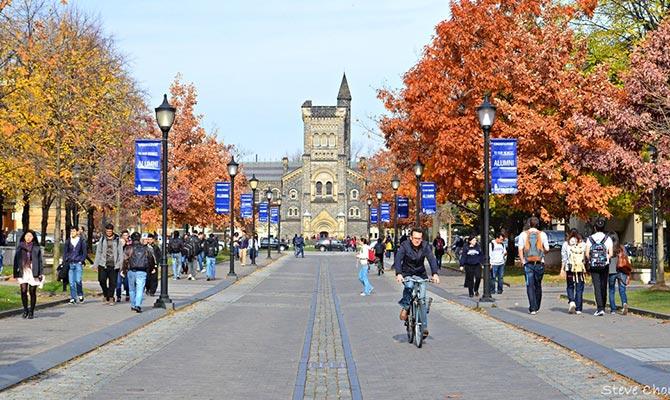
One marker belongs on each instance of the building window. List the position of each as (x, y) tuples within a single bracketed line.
[(331, 140), (354, 212), (293, 212), (316, 140), (319, 189), (329, 188), (354, 194), (293, 194)]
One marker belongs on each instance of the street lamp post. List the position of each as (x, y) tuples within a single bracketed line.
[(486, 114), (268, 196), (165, 114), (232, 171), (369, 202), (418, 171), (279, 224), (653, 152), (379, 214), (395, 184), (253, 183)]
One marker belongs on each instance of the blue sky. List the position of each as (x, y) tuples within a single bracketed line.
[(255, 62)]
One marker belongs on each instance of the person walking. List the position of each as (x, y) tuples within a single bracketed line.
[(471, 261), (599, 251), (74, 255), (211, 247), (29, 270), (152, 277), (619, 272), (363, 257), (188, 251), (300, 246), (137, 264), (109, 261), (533, 244), (244, 246), (122, 280), (389, 247), (253, 248), (295, 247), (573, 253), (438, 245), (174, 247), (497, 256)]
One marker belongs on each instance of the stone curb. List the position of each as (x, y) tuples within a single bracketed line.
[(13, 374), (634, 310), (636, 370)]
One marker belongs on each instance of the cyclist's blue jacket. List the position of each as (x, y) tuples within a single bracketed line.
[(409, 260)]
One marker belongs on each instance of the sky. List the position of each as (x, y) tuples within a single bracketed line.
[(255, 62)]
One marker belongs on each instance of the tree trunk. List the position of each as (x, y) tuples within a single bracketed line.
[(57, 238), (660, 256), (2, 212), (117, 210), (46, 206), (68, 217), (90, 226), (25, 215)]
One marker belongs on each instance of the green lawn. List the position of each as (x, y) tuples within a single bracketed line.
[(645, 299)]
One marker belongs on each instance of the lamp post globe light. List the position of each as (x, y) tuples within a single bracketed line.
[(653, 154), (232, 171), (395, 185), (418, 172), (253, 183), (279, 224), (268, 196), (369, 203), (486, 113), (165, 114)]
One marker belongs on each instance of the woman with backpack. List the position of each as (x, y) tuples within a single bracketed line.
[(598, 253), (572, 254), (471, 260), (619, 271), (363, 257)]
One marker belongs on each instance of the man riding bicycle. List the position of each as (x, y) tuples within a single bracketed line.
[(409, 262)]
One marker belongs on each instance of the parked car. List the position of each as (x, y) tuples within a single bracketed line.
[(329, 245), (274, 244), (13, 236)]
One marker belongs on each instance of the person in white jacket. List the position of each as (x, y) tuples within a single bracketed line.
[(362, 257)]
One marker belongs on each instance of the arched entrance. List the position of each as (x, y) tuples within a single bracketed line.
[(323, 235)]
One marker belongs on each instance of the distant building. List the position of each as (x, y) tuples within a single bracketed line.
[(321, 194)]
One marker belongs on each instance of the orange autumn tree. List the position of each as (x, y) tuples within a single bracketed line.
[(196, 161), (524, 54)]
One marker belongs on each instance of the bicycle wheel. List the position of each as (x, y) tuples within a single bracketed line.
[(418, 328), (447, 258), (409, 324)]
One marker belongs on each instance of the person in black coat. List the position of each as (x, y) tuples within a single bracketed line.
[(74, 255), (29, 270), (471, 261)]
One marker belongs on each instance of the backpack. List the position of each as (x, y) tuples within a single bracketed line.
[(379, 248), (598, 255), (139, 257), (371, 255), (212, 249), (187, 250), (576, 257), (533, 250)]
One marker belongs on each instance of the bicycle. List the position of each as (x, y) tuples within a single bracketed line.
[(414, 323)]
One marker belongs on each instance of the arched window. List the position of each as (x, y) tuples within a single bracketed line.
[(354, 194), (324, 140), (329, 188), (331, 140), (354, 212), (293, 194), (316, 140), (319, 189), (293, 212)]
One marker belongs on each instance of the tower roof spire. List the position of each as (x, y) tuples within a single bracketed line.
[(344, 93)]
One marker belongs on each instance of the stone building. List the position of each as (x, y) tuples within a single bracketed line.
[(321, 193)]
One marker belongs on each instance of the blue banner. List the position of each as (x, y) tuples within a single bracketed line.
[(386, 212), (373, 215), (503, 166), (147, 167), (403, 207), (274, 215), (246, 205), (263, 212), (222, 197), (428, 202)]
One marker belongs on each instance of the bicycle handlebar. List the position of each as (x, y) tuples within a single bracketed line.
[(419, 280)]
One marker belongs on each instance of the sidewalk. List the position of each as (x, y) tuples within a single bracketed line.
[(60, 333), (634, 346)]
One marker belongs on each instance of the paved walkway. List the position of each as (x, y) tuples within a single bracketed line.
[(59, 333), (299, 329)]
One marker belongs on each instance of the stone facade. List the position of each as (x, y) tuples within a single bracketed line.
[(320, 193)]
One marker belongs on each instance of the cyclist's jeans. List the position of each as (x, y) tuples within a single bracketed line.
[(407, 299)]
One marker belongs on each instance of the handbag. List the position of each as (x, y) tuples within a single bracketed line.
[(62, 272)]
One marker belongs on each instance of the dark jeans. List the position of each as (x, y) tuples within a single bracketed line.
[(534, 274), (107, 278), (122, 282), (473, 277), (575, 288), (438, 257), (152, 282), (600, 288)]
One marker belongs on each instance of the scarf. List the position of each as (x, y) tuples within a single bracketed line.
[(27, 256)]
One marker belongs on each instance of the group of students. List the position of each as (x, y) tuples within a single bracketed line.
[(193, 253)]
